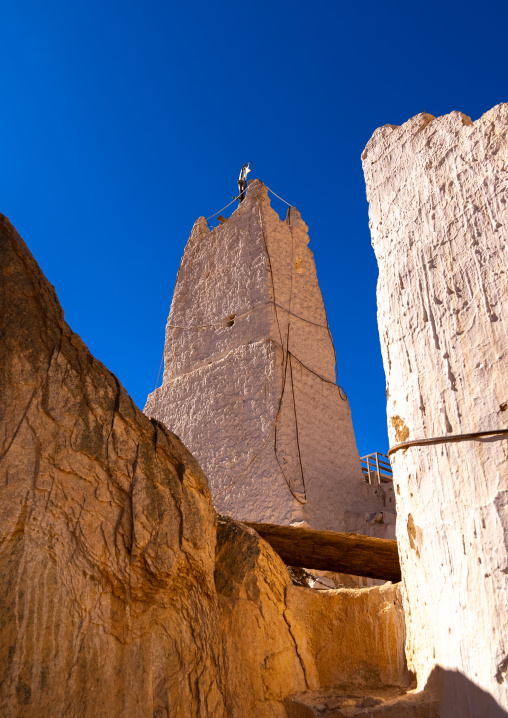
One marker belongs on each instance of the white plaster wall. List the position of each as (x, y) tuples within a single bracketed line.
[(256, 402), (438, 195)]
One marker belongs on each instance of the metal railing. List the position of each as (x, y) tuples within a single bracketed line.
[(376, 468)]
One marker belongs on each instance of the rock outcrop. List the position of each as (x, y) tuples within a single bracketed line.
[(249, 356), (119, 597), (438, 195), (107, 531)]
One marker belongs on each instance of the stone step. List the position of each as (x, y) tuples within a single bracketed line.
[(389, 702)]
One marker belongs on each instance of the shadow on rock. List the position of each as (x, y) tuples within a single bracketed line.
[(461, 698)]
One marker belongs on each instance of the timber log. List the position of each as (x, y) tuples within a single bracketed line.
[(333, 551)]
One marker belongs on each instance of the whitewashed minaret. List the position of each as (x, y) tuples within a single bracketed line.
[(249, 376)]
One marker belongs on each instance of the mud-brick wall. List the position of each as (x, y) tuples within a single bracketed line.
[(249, 377)]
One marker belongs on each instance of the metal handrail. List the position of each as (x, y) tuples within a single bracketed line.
[(376, 466)]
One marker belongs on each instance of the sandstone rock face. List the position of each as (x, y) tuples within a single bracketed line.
[(118, 597), (288, 636), (249, 377), (364, 626), (107, 531), (438, 195), (252, 585)]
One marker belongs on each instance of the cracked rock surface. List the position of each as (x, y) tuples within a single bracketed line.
[(107, 531), (438, 196)]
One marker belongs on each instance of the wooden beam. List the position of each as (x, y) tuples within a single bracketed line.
[(333, 551)]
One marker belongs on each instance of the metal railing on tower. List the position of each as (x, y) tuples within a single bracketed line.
[(376, 468)]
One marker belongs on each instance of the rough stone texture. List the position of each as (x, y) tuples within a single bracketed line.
[(107, 599), (287, 636), (252, 584), (249, 377), (365, 627), (389, 702), (438, 194), (113, 599)]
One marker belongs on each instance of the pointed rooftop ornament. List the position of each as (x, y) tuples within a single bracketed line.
[(243, 182)]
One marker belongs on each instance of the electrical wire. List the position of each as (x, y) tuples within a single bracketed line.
[(446, 439)]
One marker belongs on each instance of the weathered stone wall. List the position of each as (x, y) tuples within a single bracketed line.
[(438, 195), (249, 376)]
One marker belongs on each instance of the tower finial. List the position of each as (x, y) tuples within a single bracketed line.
[(243, 181)]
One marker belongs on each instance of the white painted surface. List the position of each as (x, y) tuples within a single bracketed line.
[(438, 194), (230, 391)]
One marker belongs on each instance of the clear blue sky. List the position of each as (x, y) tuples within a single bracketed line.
[(122, 122)]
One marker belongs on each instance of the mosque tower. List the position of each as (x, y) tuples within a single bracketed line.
[(249, 378)]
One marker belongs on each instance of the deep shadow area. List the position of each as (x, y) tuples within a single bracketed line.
[(447, 694), (460, 697)]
